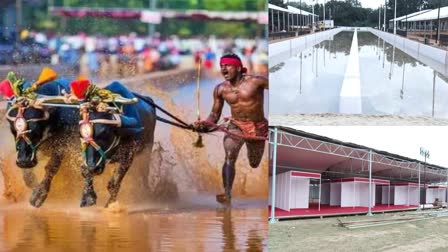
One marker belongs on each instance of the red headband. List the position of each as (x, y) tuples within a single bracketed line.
[(233, 62)]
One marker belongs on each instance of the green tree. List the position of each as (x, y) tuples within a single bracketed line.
[(37, 17), (278, 3)]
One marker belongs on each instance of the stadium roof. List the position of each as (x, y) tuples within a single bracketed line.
[(410, 15), (430, 15)]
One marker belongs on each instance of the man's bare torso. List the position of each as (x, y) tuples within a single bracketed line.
[(245, 99)]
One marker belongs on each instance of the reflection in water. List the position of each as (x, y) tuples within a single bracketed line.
[(317, 84), (219, 229), (382, 89), (313, 66), (433, 92), (392, 62), (384, 93), (317, 62), (227, 228), (402, 82), (384, 52), (325, 49)]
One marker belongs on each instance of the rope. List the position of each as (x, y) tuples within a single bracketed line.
[(223, 129), (164, 111), (184, 125), (189, 127)]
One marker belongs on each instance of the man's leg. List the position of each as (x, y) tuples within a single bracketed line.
[(232, 147), (255, 150)]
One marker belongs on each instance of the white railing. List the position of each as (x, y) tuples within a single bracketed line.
[(434, 57), (281, 51)]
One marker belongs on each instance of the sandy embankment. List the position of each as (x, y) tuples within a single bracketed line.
[(353, 120), (325, 235)]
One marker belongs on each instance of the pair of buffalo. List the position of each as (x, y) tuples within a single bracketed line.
[(113, 123)]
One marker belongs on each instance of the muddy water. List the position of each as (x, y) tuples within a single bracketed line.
[(177, 213), (240, 228)]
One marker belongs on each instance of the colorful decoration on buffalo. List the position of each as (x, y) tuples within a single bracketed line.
[(15, 86), (6, 88), (85, 90), (79, 88)]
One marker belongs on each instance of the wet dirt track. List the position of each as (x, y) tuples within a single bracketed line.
[(178, 211)]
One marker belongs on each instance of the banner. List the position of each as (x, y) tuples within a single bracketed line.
[(151, 17)]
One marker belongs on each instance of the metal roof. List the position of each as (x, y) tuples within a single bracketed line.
[(301, 150), (299, 11), (430, 15), (275, 7), (410, 15)]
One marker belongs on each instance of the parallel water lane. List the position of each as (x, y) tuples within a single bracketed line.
[(310, 81), (395, 83), (392, 82)]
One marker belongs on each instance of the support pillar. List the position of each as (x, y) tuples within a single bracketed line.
[(370, 184), (274, 170)]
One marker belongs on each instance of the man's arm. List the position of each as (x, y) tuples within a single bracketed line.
[(215, 114), (218, 104), (262, 81)]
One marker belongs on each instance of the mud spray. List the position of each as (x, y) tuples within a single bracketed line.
[(176, 165)]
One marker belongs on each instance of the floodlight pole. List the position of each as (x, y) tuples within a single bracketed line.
[(395, 18), (446, 191), (406, 31), (438, 25), (424, 153), (301, 20), (385, 8), (324, 15), (312, 28), (419, 189), (379, 18)]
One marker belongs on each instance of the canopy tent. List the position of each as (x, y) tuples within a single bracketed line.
[(338, 159), (355, 191), (293, 189), (435, 192), (406, 194), (351, 192), (298, 150), (281, 19)]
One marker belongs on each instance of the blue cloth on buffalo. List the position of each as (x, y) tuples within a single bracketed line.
[(132, 123), (61, 115), (52, 88), (64, 115)]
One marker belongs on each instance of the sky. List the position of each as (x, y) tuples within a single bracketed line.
[(404, 141), (365, 3)]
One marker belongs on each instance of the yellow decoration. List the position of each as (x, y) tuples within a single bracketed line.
[(24, 34), (46, 75)]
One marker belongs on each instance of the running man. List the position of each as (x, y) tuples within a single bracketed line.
[(245, 96)]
